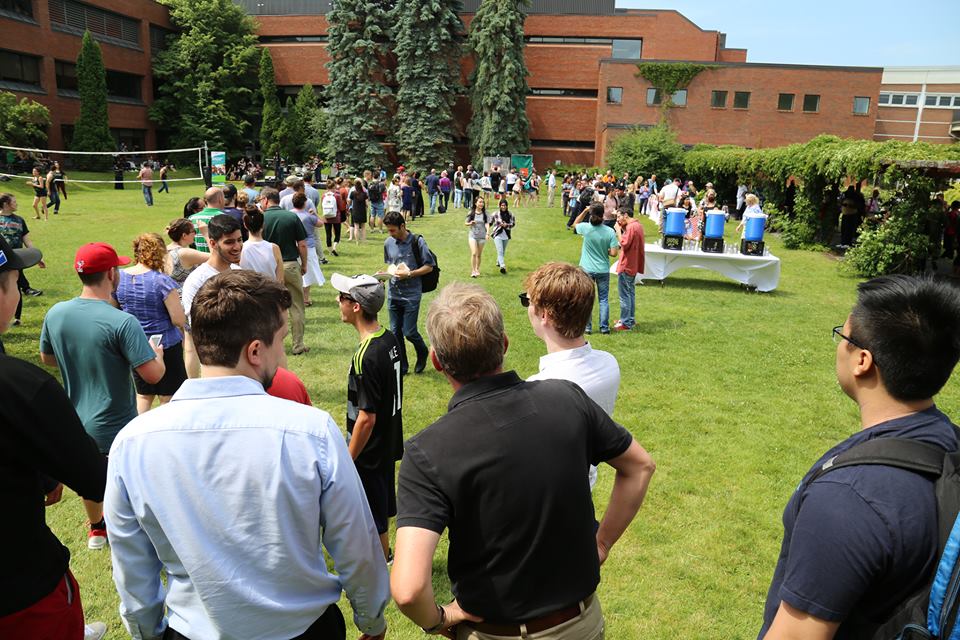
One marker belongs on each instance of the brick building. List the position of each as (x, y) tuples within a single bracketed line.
[(39, 43)]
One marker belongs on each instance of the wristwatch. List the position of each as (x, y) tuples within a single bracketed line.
[(437, 627)]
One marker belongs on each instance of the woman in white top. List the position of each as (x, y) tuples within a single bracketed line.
[(394, 195), (258, 254), (479, 224)]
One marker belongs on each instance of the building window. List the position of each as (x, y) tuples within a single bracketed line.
[(785, 102), (564, 93), (653, 97), (566, 40), (614, 95), (17, 8), (124, 85), (897, 99), (911, 100), (158, 39), (718, 99), (679, 98), (133, 139), (627, 49), (76, 17), (884, 98), (811, 103), (569, 144), (19, 68), (66, 76), (741, 100), (944, 101), (861, 105)]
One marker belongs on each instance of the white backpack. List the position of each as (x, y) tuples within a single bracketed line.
[(329, 205)]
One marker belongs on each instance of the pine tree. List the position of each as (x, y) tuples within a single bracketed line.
[(91, 131), (498, 93), (299, 119), (428, 44), (359, 37), (207, 76), (272, 122)]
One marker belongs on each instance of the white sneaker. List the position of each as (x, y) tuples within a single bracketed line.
[(94, 631), (96, 539)]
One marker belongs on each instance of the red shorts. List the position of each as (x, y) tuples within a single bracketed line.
[(58, 616)]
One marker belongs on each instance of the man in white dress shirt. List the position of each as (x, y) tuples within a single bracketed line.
[(559, 301), (236, 494)]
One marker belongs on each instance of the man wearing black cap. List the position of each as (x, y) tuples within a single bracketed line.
[(95, 346), (42, 443), (374, 398)]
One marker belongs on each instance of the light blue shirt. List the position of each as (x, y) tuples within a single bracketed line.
[(597, 242), (236, 494)]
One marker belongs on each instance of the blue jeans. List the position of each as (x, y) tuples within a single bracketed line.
[(627, 288), (164, 186), (603, 291), (433, 202), (148, 195), (457, 198), (501, 241), (403, 324), (54, 199)]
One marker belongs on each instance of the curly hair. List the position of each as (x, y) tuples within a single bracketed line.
[(150, 251)]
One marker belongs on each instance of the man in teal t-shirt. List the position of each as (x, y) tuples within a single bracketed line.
[(599, 243), (96, 346)]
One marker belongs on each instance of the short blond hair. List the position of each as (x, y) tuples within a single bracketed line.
[(565, 293), (466, 332), (751, 199)]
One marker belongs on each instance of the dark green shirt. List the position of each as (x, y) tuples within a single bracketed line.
[(284, 229)]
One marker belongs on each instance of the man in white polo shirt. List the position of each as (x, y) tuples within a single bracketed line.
[(559, 301)]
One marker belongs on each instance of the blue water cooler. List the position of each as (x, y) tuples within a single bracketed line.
[(713, 232), (673, 228), (752, 243)]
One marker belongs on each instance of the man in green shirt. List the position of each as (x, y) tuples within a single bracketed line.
[(599, 242), (95, 345), (215, 201), (284, 229)]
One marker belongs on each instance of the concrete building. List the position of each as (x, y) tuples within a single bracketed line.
[(919, 104), (39, 43)]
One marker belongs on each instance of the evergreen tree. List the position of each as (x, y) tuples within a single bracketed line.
[(319, 129), (272, 123), (92, 130), (359, 37), (428, 43), (300, 118), (498, 93), (207, 76)]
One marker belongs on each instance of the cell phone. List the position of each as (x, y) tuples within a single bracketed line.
[(155, 339)]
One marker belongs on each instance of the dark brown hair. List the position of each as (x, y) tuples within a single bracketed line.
[(231, 310), (179, 228)]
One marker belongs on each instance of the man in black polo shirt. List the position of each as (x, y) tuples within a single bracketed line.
[(42, 443), (858, 540), (505, 470), (284, 229), (374, 398)]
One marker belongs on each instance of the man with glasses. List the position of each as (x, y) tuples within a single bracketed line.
[(861, 539), (559, 301), (374, 398)]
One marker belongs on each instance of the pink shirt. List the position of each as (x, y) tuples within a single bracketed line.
[(146, 176), (631, 250)]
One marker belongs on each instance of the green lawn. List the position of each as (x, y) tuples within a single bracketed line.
[(732, 392)]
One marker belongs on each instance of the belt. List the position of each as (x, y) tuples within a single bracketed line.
[(535, 625)]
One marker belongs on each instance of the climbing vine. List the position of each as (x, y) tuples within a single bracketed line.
[(670, 77)]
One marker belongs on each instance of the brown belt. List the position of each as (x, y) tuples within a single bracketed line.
[(536, 625)]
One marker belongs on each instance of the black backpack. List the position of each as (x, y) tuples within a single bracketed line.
[(931, 611), (586, 198), (375, 191), (428, 282)]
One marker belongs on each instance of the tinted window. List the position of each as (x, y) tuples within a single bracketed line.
[(123, 85), (911, 100), (861, 105), (785, 102), (718, 99), (15, 67), (741, 100), (19, 7), (811, 103), (66, 75), (629, 49)]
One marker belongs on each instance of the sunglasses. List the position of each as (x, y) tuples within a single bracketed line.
[(524, 299), (345, 298)]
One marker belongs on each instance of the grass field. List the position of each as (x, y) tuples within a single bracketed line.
[(732, 392)]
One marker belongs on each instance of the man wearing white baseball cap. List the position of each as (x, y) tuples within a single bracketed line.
[(374, 397)]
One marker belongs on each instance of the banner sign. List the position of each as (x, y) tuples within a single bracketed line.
[(218, 169)]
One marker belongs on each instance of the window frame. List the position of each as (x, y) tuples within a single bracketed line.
[(861, 113), (610, 90), (19, 79), (793, 102), (713, 98), (738, 94), (806, 98), (657, 98)]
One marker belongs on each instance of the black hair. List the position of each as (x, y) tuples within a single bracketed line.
[(222, 225), (252, 218), (393, 219), (596, 213), (911, 326), (229, 191), (193, 206)]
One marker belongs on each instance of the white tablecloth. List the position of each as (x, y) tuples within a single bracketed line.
[(762, 272)]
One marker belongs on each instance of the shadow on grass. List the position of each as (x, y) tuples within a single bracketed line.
[(660, 326), (711, 285)]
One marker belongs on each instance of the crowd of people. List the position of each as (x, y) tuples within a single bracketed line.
[(235, 486)]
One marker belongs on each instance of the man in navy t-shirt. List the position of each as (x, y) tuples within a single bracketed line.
[(861, 539)]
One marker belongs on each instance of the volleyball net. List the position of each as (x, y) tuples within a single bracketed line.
[(104, 167)]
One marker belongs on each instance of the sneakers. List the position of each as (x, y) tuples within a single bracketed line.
[(334, 252), (300, 350), (94, 631), (97, 539), (621, 327), (30, 291), (16, 322), (324, 261), (503, 269)]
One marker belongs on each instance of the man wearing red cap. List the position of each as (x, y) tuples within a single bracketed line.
[(95, 345)]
